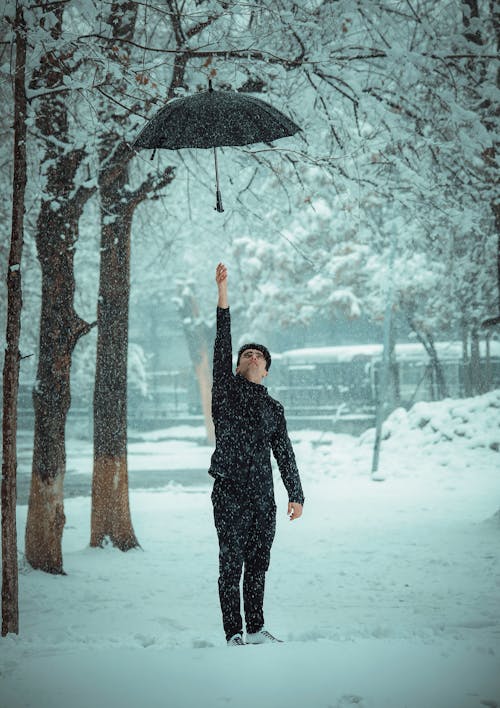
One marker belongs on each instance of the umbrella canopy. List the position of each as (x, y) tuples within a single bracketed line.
[(210, 119)]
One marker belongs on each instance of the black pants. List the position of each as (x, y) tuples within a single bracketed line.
[(245, 527)]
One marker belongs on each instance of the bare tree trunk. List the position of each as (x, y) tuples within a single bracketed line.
[(198, 338), (204, 377), (476, 371), (10, 609), (427, 341), (60, 327), (488, 377), (466, 382), (474, 375), (393, 384), (110, 516)]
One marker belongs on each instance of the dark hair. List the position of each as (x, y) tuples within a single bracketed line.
[(260, 348)]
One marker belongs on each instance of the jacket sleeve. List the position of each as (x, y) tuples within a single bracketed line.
[(223, 362), (285, 457)]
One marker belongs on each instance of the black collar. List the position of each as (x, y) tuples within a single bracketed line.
[(259, 389)]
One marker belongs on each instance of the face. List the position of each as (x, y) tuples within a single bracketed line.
[(252, 365)]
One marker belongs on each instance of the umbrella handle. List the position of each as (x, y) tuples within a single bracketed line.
[(218, 206)]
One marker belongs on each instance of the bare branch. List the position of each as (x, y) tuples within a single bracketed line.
[(47, 6), (122, 105), (153, 184), (195, 53), (193, 31), (180, 37)]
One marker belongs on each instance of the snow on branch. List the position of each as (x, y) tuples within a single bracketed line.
[(248, 54)]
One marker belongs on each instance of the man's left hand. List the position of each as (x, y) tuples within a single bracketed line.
[(294, 510)]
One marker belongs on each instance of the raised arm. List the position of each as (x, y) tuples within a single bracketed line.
[(222, 367), (221, 280)]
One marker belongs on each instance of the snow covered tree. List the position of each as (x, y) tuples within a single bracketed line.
[(119, 200), (110, 503), (61, 205), (411, 142), (10, 610)]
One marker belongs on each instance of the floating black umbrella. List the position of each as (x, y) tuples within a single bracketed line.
[(210, 119)]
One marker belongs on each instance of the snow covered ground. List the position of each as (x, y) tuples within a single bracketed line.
[(386, 592)]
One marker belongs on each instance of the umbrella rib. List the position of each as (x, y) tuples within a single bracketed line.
[(261, 133)]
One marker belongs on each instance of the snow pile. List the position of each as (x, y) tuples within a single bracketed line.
[(472, 422)]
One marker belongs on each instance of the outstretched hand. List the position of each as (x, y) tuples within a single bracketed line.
[(294, 510), (220, 273), (221, 280)]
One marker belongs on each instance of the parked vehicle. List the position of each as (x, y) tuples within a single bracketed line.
[(320, 379)]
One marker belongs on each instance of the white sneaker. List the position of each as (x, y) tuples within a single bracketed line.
[(262, 637), (236, 641)]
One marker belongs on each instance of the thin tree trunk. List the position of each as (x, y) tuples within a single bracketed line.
[(10, 609), (466, 379), (476, 373), (427, 341), (442, 390), (393, 388)]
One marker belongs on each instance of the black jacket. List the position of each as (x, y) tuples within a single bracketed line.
[(248, 425)]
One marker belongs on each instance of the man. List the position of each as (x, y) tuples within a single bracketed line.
[(248, 425)]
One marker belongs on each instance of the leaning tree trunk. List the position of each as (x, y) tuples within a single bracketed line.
[(10, 609), (427, 341), (442, 390)]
